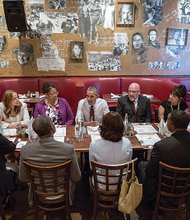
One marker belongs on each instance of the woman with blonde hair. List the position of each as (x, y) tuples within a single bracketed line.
[(13, 112)]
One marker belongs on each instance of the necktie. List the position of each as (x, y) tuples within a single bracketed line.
[(92, 117), (134, 110)]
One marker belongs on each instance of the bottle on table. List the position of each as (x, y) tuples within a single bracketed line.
[(162, 126), (79, 129)]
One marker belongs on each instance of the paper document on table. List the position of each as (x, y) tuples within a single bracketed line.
[(95, 137), (147, 139), (60, 133), (20, 144), (61, 139), (93, 130), (9, 132), (144, 128)]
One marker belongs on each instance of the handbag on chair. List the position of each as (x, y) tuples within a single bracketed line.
[(131, 193)]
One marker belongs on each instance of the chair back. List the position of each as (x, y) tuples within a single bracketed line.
[(106, 182), (50, 185), (173, 188)]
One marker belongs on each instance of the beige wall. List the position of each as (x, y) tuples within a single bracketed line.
[(79, 68)]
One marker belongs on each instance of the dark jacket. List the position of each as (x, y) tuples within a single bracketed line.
[(6, 181), (143, 111)]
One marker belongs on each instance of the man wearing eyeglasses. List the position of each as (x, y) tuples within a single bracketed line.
[(135, 105)]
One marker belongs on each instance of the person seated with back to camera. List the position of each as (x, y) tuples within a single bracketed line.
[(13, 112), (176, 101), (113, 147), (173, 150), (55, 107), (135, 105), (91, 110), (48, 150), (7, 173)]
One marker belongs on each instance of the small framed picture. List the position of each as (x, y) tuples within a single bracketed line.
[(125, 14), (76, 50), (176, 37)]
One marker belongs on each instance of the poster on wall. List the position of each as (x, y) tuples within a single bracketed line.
[(184, 12), (152, 12), (103, 61), (121, 46)]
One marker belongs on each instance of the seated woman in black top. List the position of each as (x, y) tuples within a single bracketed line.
[(176, 101)]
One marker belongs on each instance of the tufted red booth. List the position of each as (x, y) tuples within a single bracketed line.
[(66, 88), (20, 85), (158, 87)]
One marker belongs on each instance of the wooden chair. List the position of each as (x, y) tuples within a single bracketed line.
[(50, 186), (105, 184), (2, 213), (173, 190)]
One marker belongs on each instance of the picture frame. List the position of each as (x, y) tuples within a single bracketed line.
[(76, 50), (125, 14), (176, 37)]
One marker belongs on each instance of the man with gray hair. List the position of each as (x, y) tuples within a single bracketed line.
[(48, 150), (92, 108)]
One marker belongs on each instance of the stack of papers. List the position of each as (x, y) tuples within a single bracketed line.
[(9, 132), (113, 96), (148, 140), (94, 133), (143, 128), (20, 144), (60, 133)]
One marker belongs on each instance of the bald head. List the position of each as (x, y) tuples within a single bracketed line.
[(133, 91), (43, 126)]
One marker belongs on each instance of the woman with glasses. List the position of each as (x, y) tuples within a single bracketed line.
[(176, 101), (54, 107)]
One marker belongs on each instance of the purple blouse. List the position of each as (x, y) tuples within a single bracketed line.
[(63, 109)]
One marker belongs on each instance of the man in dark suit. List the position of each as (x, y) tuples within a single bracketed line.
[(173, 150), (135, 105)]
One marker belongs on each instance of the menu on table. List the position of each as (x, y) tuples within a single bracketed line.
[(143, 128)]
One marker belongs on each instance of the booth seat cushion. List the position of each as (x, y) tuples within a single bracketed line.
[(158, 87), (19, 85), (104, 85), (66, 88)]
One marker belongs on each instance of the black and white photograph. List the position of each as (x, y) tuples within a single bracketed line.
[(161, 65), (76, 52), (121, 46), (139, 51), (109, 15), (125, 14), (103, 61), (176, 37), (184, 11), (152, 12), (24, 53), (57, 4), (152, 38), (3, 43)]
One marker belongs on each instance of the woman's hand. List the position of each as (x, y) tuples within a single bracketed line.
[(14, 124)]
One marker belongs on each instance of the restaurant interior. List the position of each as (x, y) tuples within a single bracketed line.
[(37, 40)]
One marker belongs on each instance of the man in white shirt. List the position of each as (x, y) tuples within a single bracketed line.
[(92, 109)]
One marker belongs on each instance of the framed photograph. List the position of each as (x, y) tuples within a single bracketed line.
[(176, 37), (125, 14), (76, 50)]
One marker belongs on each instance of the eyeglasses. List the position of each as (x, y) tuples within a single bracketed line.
[(53, 93), (133, 91)]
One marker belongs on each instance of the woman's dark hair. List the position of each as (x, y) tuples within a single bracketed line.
[(47, 87), (179, 91), (112, 127)]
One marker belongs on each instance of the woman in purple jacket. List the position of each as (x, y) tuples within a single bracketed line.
[(54, 107)]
